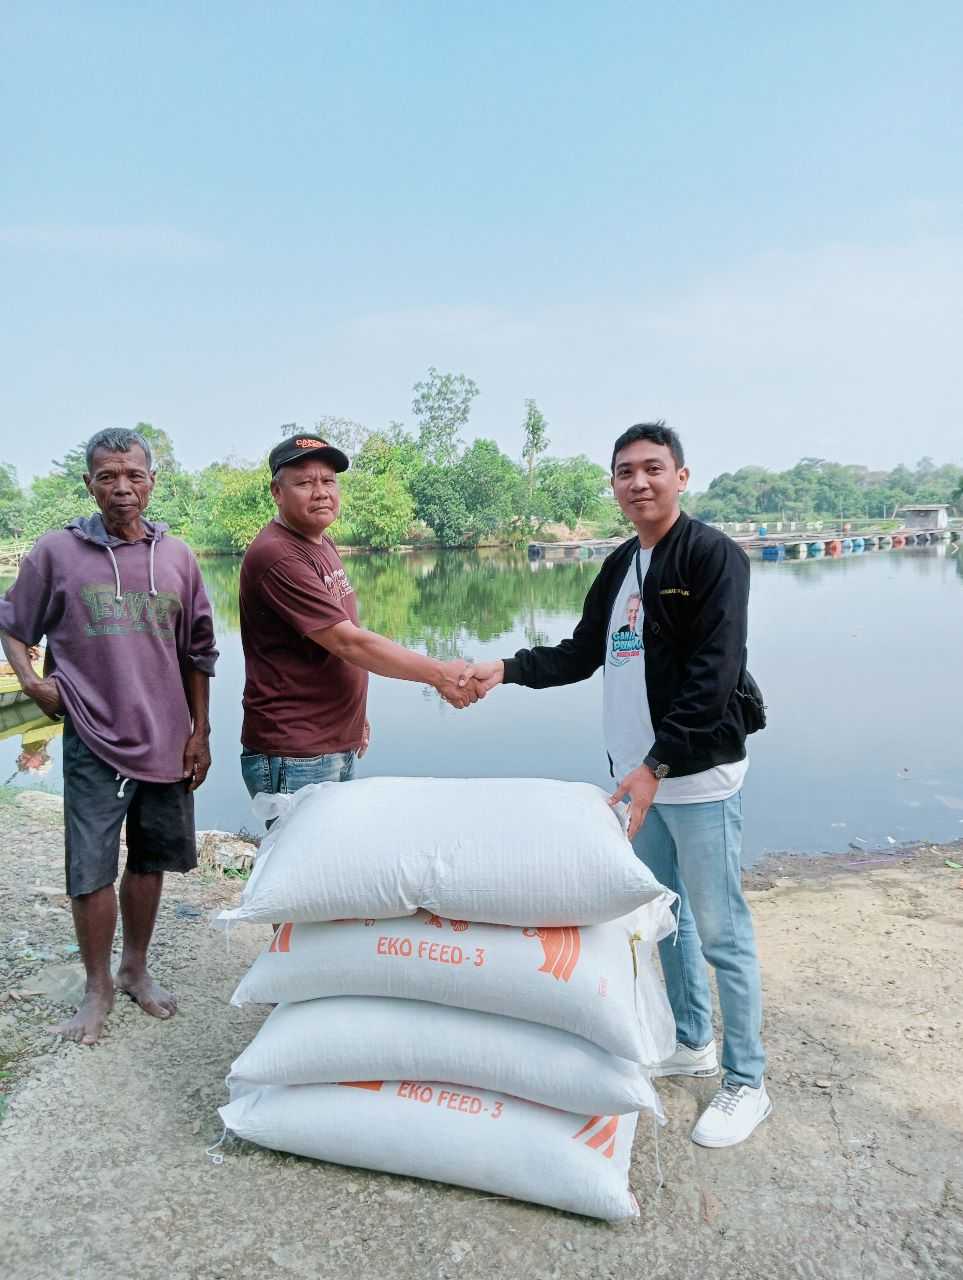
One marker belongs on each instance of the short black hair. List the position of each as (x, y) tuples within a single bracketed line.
[(658, 433)]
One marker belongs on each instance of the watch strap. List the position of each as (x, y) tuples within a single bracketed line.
[(658, 768)]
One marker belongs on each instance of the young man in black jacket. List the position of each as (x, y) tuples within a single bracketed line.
[(678, 704)]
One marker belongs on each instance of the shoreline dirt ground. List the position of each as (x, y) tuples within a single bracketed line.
[(858, 1173)]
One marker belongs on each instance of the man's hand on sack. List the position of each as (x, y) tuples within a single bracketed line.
[(639, 788), (365, 739)]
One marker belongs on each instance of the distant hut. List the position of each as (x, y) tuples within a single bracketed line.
[(925, 517)]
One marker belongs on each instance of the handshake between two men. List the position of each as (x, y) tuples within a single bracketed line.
[(464, 682)]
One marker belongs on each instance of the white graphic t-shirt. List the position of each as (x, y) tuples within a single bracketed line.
[(625, 707)]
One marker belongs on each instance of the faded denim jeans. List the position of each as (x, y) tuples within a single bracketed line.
[(694, 849), (285, 774)]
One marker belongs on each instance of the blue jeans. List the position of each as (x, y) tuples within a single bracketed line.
[(290, 773), (694, 849)]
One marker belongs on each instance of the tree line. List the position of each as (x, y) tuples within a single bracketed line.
[(424, 483), (817, 488), (404, 485)]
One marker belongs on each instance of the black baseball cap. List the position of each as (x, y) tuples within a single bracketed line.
[(294, 448)]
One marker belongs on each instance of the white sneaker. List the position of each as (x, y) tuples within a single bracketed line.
[(732, 1115), (690, 1062)]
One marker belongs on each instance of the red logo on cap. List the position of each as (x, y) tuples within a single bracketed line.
[(308, 443)]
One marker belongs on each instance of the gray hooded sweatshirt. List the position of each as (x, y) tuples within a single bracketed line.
[(124, 623)]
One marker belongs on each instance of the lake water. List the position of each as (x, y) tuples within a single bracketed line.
[(859, 660)]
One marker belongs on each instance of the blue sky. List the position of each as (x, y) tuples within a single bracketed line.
[(746, 218)]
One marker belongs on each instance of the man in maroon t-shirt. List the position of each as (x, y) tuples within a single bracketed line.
[(306, 658)]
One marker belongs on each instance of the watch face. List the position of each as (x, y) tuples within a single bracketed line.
[(662, 771)]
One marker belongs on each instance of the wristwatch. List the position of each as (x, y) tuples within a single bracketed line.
[(658, 768)]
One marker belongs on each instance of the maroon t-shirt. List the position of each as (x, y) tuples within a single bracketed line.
[(299, 700)]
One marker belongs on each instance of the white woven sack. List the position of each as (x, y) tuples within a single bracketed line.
[(597, 982), (522, 851), (363, 1037), (470, 1138)]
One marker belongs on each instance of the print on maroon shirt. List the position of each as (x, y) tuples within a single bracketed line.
[(299, 700)]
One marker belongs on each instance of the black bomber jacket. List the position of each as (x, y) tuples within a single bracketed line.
[(695, 597)]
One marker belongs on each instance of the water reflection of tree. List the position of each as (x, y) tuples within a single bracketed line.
[(441, 601), (221, 575)]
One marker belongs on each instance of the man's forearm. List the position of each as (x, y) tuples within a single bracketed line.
[(199, 697), (18, 655), (379, 655)]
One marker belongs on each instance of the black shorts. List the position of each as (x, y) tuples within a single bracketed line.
[(160, 821)]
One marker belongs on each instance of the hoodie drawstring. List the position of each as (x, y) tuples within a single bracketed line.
[(113, 560), (123, 783)]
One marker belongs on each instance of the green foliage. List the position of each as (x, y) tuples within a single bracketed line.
[(242, 503), (611, 521), (535, 444), (568, 490), (815, 487), (73, 465), (54, 500), (441, 406), (390, 450), (377, 509), (477, 497), (12, 503), (161, 447), (441, 506), (491, 487), (465, 497)]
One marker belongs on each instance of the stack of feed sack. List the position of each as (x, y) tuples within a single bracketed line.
[(464, 986)]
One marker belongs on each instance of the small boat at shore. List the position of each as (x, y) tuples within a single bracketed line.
[(898, 541), (834, 547), (858, 545), (816, 550)]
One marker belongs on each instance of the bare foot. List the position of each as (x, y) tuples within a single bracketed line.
[(88, 1022), (142, 988)]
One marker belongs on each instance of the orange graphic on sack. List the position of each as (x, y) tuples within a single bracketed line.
[(282, 939), (437, 922), (606, 1134), (374, 1085), (561, 949)]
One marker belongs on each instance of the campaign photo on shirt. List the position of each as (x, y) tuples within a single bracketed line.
[(625, 643)]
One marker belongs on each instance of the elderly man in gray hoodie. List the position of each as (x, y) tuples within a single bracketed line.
[(130, 650)]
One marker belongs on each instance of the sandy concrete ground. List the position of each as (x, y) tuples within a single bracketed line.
[(858, 1173)]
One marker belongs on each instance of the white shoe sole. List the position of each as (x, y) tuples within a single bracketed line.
[(715, 1143), (697, 1073)]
